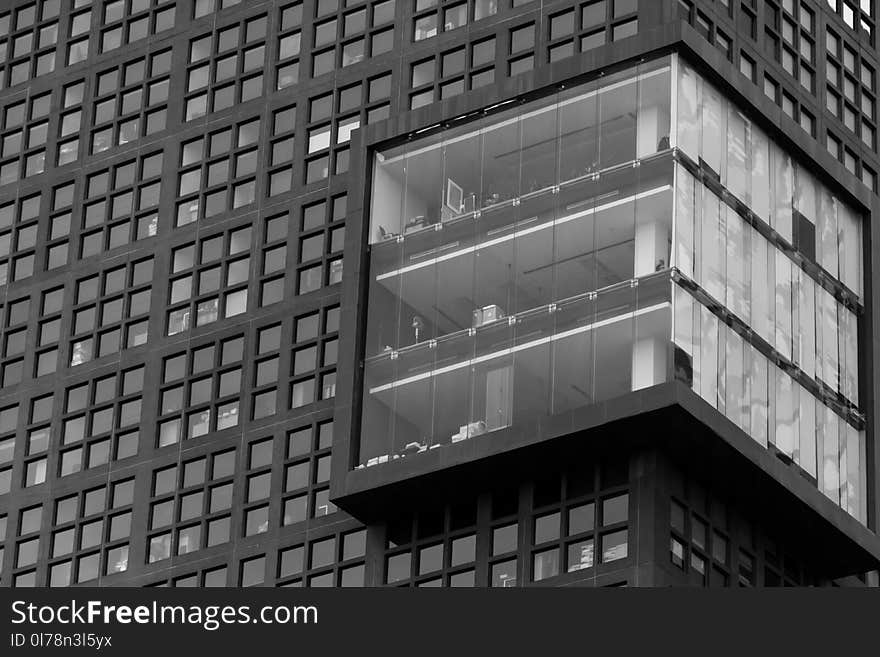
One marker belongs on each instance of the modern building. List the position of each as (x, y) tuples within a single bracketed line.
[(438, 293)]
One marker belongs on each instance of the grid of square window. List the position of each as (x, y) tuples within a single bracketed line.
[(190, 506), (306, 473), (233, 358), (850, 89), (130, 101), (209, 280), (712, 546), (332, 117), (314, 355), (578, 530), (267, 359), (200, 391), (49, 331), (120, 204), (80, 25), (273, 259), (28, 37), (574, 525), (16, 314), (321, 240), (89, 537), (436, 548), (289, 43), (23, 141), (521, 54), (124, 22), (337, 560), (699, 549), (225, 67), (18, 237), (857, 15), (790, 39), (802, 39), (111, 311), (71, 122), (432, 16), (351, 37), (99, 422), (589, 25), (57, 241), (8, 427), (281, 151), (452, 72), (217, 172)]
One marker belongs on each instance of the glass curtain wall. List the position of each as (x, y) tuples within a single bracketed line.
[(811, 328), (747, 274), (782, 193), (519, 265), (768, 403)]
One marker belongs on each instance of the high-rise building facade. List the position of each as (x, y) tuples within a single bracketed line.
[(423, 293)]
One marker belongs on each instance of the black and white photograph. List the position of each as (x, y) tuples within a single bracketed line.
[(399, 294)]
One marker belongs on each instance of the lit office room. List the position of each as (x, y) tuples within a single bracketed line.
[(501, 265)]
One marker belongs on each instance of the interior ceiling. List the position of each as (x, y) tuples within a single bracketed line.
[(572, 376), (517, 273)]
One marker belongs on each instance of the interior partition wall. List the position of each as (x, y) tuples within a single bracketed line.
[(599, 240)]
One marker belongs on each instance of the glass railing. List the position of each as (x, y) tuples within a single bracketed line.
[(508, 370)]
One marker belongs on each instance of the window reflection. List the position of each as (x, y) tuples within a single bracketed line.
[(711, 131), (768, 403), (749, 275)]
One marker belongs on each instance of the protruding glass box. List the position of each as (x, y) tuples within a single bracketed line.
[(556, 253)]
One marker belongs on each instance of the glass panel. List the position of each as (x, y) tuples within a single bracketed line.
[(761, 285), (519, 268), (849, 353), (781, 191), (735, 397), (653, 110), (714, 123), (483, 310), (685, 209), (758, 383), (829, 473), (827, 233), (712, 251), (737, 279), (738, 128), (653, 317), (826, 337), (850, 243), (783, 304), (805, 201), (806, 325), (759, 199), (617, 121), (807, 453), (786, 413), (686, 365), (688, 109), (578, 134), (708, 375)]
